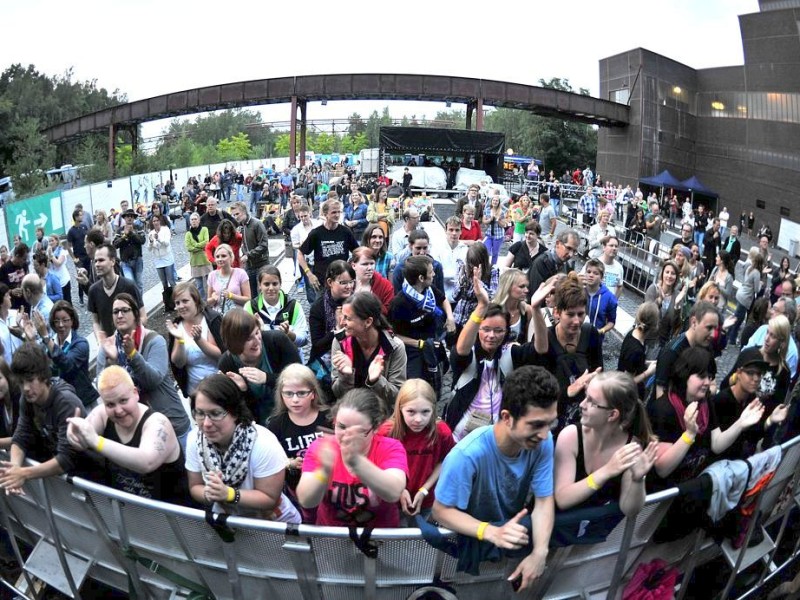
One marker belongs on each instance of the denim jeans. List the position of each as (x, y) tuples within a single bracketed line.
[(741, 316), (200, 284), (311, 293), (240, 192), (698, 239), (254, 196), (166, 275), (133, 271)]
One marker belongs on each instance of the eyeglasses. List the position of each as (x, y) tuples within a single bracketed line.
[(596, 405), (121, 311), (299, 393), (494, 330), (214, 415), (346, 283)]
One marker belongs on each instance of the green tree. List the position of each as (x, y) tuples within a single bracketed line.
[(282, 144), (236, 147), (357, 125), (27, 93), (451, 119), (324, 143), (92, 156), (560, 143), (31, 152)]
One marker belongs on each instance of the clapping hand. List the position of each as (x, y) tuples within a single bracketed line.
[(644, 461), (751, 414), (623, 459), (342, 363), (375, 369)]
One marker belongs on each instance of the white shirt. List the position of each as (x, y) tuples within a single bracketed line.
[(449, 258), (399, 241), (266, 458), (299, 233)]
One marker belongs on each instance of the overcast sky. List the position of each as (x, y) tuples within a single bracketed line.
[(147, 48)]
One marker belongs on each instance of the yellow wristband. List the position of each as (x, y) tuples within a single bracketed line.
[(230, 295), (592, 483), (131, 353), (181, 341), (307, 271), (320, 475), (687, 438), (424, 490), (231, 495), (420, 344), (481, 530), (101, 441), (476, 318)]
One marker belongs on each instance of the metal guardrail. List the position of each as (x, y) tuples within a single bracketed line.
[(82, 529)]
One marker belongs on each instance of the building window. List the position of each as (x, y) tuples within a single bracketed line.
[(621, 96)]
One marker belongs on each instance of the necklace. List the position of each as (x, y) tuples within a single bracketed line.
[(108, 290)]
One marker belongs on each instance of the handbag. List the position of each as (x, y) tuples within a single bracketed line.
[(652, 581)]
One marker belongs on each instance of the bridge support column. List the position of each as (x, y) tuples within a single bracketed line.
[(302, 105), (475, 106), (293, 131), (112, 151), (134, 131)]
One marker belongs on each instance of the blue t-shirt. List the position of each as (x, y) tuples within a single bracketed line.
[(480, 480)]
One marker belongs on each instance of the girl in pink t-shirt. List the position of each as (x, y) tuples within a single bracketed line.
[(355, 477), (427, 441)]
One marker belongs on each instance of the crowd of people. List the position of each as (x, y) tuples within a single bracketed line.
[(531, 426)]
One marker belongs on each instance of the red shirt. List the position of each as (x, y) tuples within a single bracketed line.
[(423, 456), (474, 233)]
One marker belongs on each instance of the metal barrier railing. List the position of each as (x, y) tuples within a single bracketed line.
[(85, 530)]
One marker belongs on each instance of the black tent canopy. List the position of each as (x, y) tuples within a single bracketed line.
[(427, 139)]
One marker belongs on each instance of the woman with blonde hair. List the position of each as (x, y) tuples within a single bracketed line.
[(300, 416), (512, 292), (103, 225), (427, 441), (606, 456)]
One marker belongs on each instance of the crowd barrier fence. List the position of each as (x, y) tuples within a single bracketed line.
[(80, 530)]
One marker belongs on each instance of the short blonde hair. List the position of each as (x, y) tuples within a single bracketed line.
[(111, 377)]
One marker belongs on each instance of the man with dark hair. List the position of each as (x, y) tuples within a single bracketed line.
[(87, 276), (418, 245), (556, 260), (12, 272), (254, 251), (703, 322), (417, 314), (129, 241), (76, 245), (490, 478), (473, 199), (103, 291), (41, 432), (329, 242)]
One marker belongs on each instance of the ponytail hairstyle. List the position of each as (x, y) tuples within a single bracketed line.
[(647, 318), (621, 393)]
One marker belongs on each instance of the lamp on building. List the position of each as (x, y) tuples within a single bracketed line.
[(717, 105), (676, 90)]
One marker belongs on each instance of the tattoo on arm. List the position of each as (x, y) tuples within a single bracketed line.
[(161, 439)]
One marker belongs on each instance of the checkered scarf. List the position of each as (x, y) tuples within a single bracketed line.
[(234, 463)]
